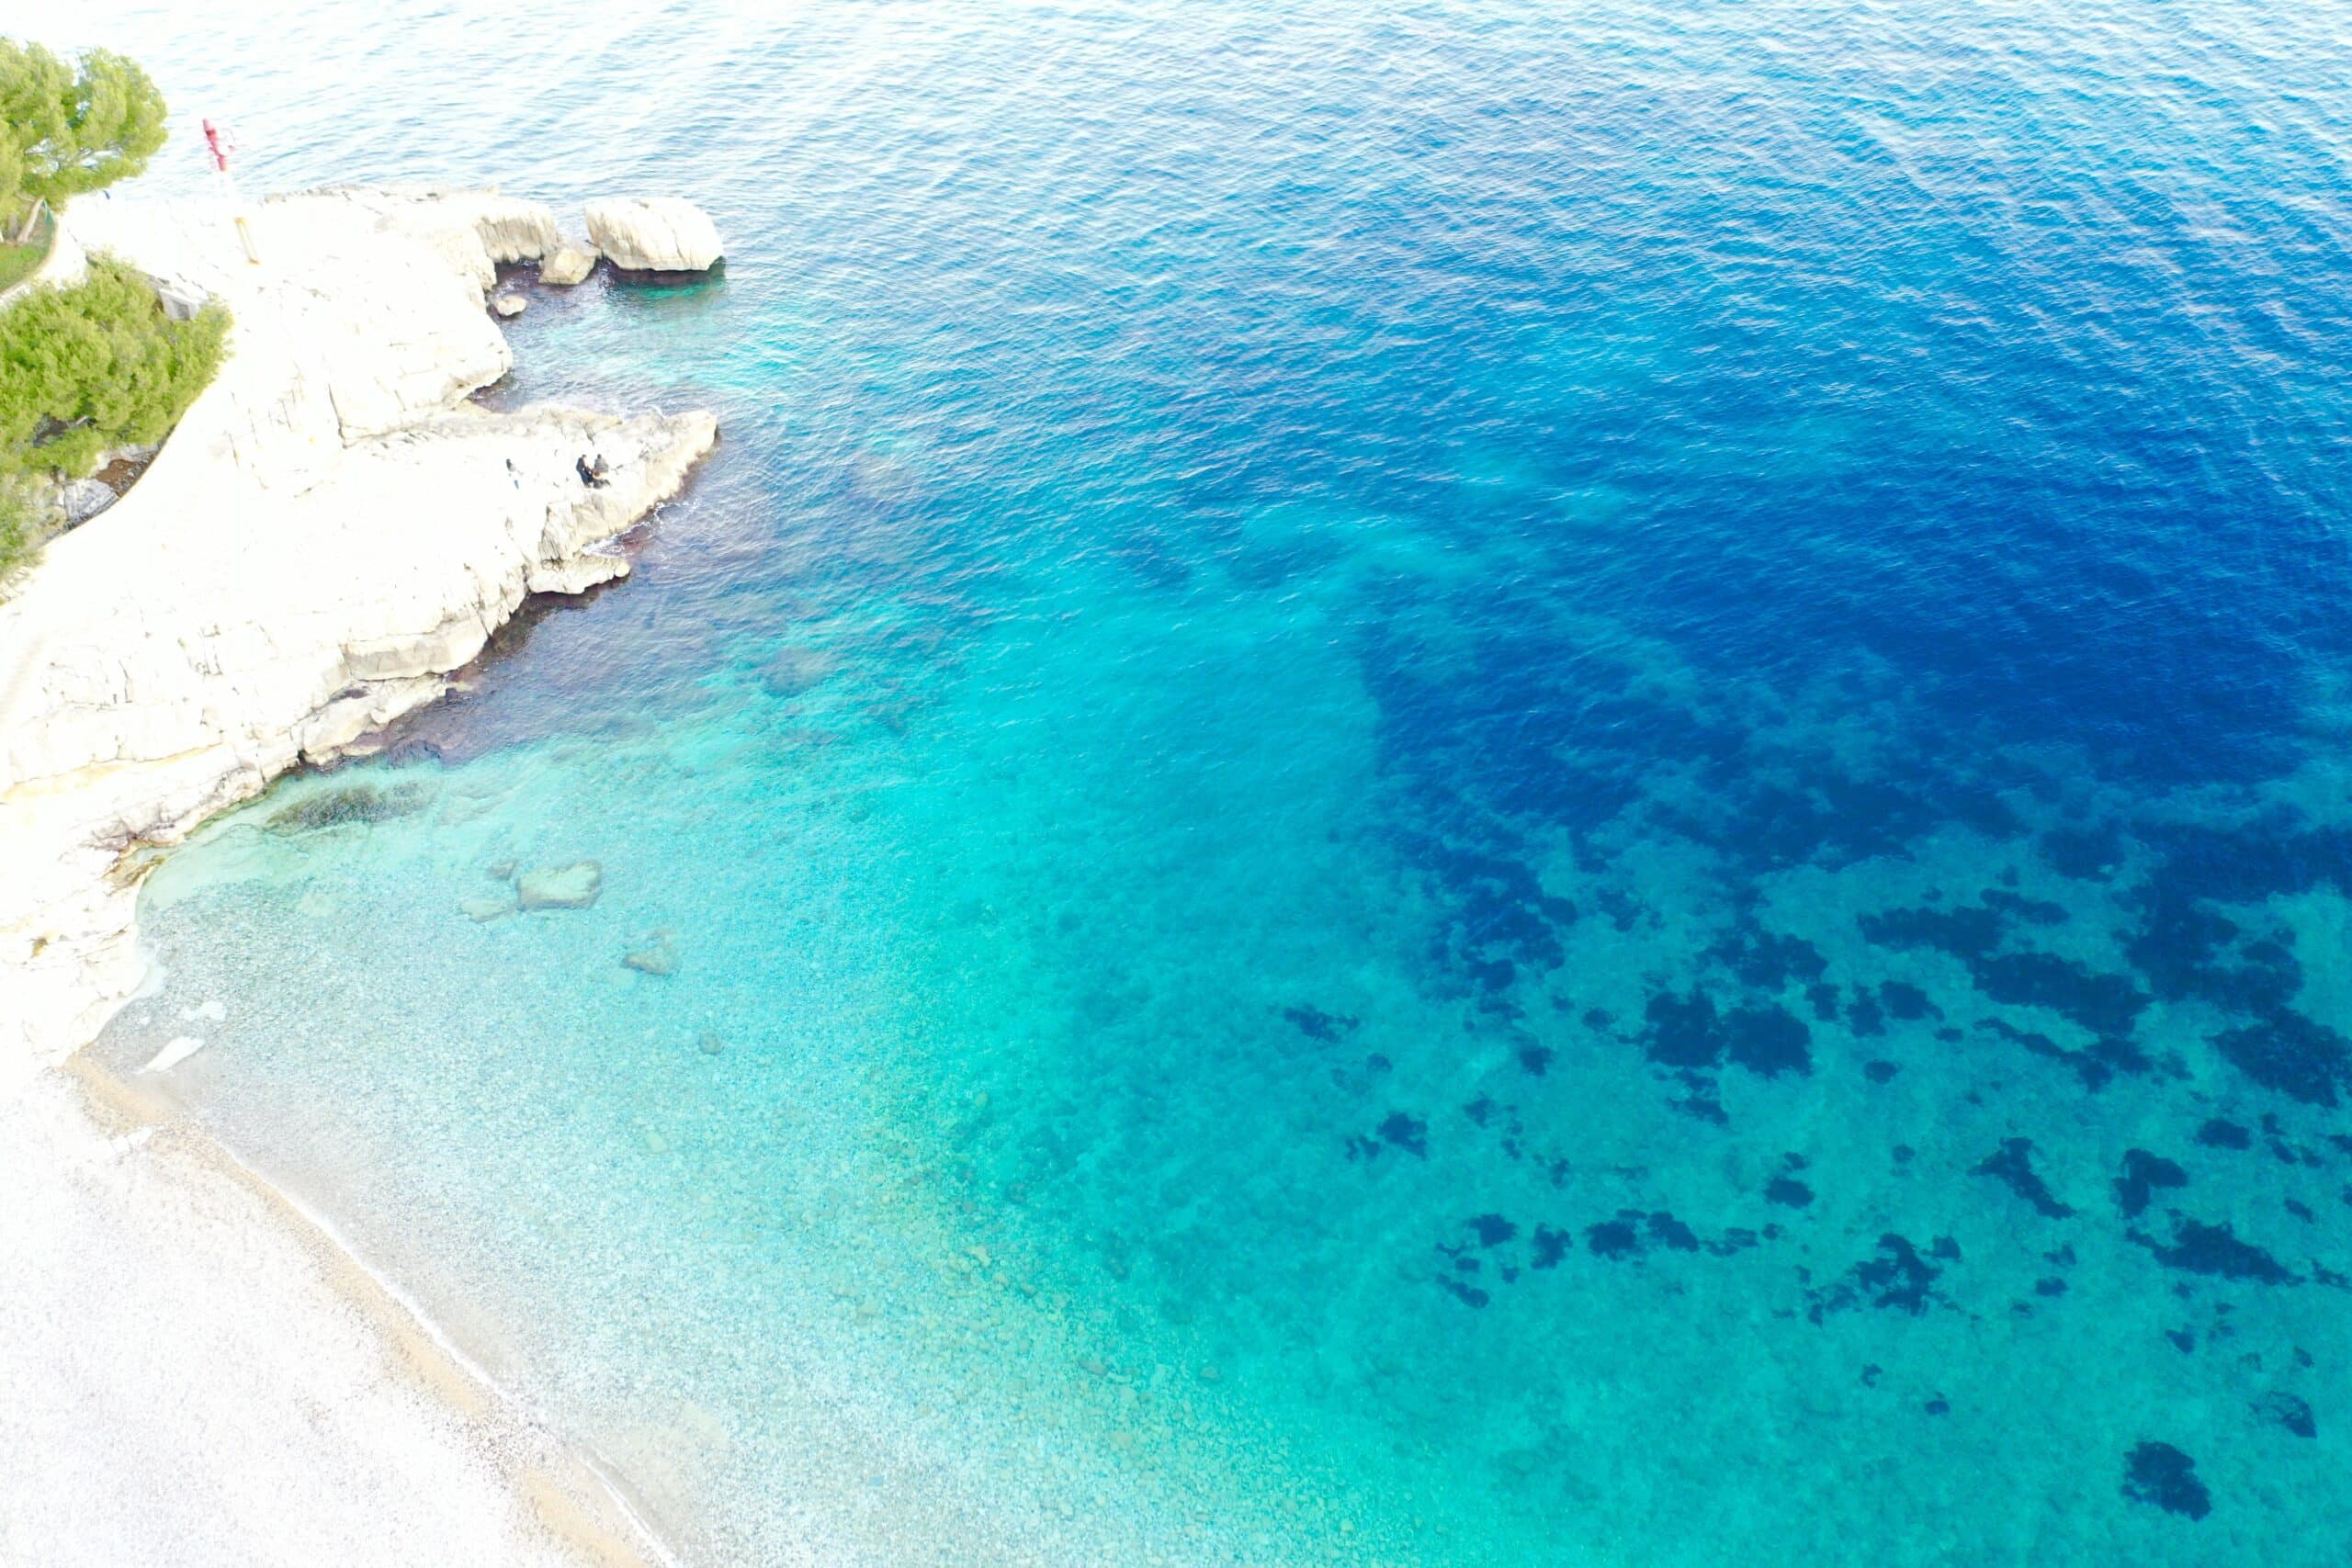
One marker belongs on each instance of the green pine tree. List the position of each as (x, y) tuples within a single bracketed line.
[(67, 128)]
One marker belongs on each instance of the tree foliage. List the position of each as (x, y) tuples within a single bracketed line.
[(85, 369), (72, 126)]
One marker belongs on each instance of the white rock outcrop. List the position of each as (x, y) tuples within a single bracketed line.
[(654, 234), (332, 529)]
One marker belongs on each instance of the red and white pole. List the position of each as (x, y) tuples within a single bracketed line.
[(216, 137)]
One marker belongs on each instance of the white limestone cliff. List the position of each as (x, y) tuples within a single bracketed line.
[(332, 529)]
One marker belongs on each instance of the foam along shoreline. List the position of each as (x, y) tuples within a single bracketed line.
[(202, 1373)]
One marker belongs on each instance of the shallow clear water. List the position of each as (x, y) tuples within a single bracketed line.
[(1464, 784)]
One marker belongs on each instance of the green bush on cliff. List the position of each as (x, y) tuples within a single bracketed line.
[(96, 366)]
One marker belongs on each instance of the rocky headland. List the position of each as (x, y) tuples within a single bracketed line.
[(332, 531)]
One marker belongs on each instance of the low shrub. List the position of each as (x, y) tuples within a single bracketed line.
[(99, 366)]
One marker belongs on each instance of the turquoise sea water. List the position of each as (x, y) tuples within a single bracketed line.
[(1453, 784)]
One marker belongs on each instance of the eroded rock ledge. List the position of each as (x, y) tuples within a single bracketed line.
[(332, 529)]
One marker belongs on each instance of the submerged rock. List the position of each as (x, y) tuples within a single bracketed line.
[(658, 956), (794, 670), (658, 234), (573, 886), (481, 910)]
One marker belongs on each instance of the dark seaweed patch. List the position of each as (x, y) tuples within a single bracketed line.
[(1682, 1029), (2199, 1249), (2104, 1004), (1316, 1024), (1467, 1294), (360, 805), (1492, 1230), (2083, 852), (1788, 1191), (1907, 1003), (1499, 914), (1898, 1278), (1880, 1071), (1769, 1040), (1612, 1238), (2218, 1134), (1964, 932), (2288, 1410), (2162, 1474), (1672, 1233), (1768, 960), (2012, 1165), (1866, 1018), (1687, 1033), (2097, 1066), (2143, 1173), (2290, 1053), (1701, 1102), (1549, 1247), (1408, 1132)]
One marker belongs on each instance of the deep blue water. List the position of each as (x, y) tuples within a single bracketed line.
[(1449, 783)]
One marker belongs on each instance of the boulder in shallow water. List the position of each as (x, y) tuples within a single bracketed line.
[(509, 304), (654, 234), (573, 886), (480, 910), (571, 264)]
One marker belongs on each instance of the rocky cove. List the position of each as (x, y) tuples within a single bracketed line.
[(334, 529)]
